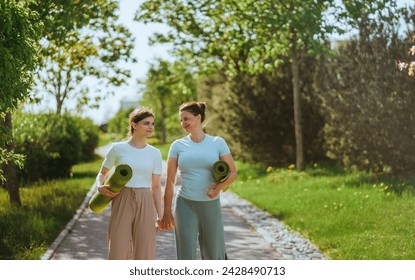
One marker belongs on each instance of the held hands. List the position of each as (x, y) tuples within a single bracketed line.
[(105, 190), (167, 222)]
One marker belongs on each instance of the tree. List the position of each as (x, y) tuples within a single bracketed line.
[(286, 30), (167, 86), (87, 42), (370, 121), (245, 37), (256, 120), (18, 59)]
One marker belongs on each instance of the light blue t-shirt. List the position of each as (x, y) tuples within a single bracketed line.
[(195, 161)]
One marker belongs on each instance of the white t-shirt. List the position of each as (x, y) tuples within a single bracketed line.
[(144, 162)]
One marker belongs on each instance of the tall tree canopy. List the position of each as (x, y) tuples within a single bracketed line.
[(82, 39), (246, 36), (19, 35), (167, 86)]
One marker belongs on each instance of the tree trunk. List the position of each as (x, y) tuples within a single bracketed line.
[(297, 112), (163, 122), (10, 169), (58, 106)]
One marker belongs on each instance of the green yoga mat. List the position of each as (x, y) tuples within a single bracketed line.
[(122, 174), (221, 171)]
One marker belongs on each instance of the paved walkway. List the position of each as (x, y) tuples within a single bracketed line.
[(85, 236)]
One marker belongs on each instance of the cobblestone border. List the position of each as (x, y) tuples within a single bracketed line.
[(290, 244)]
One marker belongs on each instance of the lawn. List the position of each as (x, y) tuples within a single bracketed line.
[(27, 233), (348, 215)]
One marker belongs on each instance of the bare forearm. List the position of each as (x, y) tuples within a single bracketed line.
[(157, 199), (101, 177), (168, 196)]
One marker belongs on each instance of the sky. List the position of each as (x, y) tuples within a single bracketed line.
[(144, 54)]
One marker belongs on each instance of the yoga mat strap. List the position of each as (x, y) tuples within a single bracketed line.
[(122, 174)]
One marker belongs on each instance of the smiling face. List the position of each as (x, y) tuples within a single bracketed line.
[(189, 122), (144, 128)]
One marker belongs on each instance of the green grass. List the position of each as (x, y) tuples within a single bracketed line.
[(348, 215), (164, 149), (27, 233), (105, 138)]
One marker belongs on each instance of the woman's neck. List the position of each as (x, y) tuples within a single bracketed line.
[(138, 142), (197, 136)]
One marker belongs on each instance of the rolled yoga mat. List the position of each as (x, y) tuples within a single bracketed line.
[(221, 171), (122, 174)]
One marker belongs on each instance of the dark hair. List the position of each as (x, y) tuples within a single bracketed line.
[(195, 108), (139, 114)]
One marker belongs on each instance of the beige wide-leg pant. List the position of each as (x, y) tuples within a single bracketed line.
[(132, 226)]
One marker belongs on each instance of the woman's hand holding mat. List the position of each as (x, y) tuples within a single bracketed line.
[(122, 174)]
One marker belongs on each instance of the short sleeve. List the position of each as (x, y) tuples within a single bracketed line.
[(223, 147), (173, 151), (157, 168), (109, 160)]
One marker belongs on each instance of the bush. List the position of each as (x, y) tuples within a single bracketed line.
[(370, 120), (90, 137), (51, 144)]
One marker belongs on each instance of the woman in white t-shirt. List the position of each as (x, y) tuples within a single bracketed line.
[(197, 215), (135, 209)]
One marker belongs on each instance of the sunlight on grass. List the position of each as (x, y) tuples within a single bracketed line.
[(47, 208), (345, 214)]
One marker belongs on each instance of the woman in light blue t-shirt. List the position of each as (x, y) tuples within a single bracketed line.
[(197, 216)]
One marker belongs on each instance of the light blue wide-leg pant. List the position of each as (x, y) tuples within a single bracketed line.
[(199, 220)]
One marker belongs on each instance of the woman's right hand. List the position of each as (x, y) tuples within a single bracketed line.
[(105, 190)]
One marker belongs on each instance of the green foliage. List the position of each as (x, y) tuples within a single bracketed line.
[(19, 35), (90, 43), (369, 114), (245, 37), (238, 36), (51, 143), (89, 137), (119, 124), (167, 86), (254, 115)]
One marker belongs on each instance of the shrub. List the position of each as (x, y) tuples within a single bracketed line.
[(90, 137), (51, 144)]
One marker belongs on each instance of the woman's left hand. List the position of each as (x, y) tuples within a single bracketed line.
[(213, 191)]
